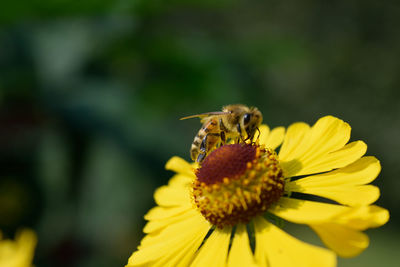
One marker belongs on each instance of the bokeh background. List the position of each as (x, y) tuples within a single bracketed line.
[(91, 93)]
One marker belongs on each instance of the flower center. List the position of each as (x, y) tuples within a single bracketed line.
[(236, 183)]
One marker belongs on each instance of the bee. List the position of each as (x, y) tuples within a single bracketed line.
[(235, 122)]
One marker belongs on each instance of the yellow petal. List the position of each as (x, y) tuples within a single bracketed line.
[(179, 165), (304, 211), (275, 138), (240, 254), (333, 160), (18, 252), (181, 258), (294, 143), (363, 171), (169, 196), (157, 225), (345, 185), (27, 240), (274, 247), (171, 241), (343, 234), (181, 180), (352, 196), (159, 213), (264, 133), (214, 251), (363, 217), (328, 135), (170, 230), (344, 241)]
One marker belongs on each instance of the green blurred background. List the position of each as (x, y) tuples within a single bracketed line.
[(91, 93)]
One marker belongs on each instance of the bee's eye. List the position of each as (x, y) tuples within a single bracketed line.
[(246, 118)]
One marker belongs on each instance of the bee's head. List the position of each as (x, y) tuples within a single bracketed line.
[(251, 120)]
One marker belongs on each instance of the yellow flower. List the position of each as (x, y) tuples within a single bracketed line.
[(220, 214), (18, 253)]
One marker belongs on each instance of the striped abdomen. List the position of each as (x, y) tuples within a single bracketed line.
[(207, 137)]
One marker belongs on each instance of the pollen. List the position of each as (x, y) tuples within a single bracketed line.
[(236, 183)]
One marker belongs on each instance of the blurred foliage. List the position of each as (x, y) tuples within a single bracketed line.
[(91, 93)]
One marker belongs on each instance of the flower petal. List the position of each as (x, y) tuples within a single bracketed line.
[(337, 159), (170, 242), (172, 229), (169, 196), (214, 251), (159, 213), (327, 134), (275, 137), (179, 165), (240, 254), (345, 185), (352, 196), (181, 180), (343, 234), (363, 217), (294, 142), (304, 211), (182, 258), (314, 146), (274, 247), (363, 171), (264, 133), (18, 252), (156, 225), (345, 241)]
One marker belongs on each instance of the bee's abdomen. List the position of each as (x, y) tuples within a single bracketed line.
[(199, 141), (195, 148)]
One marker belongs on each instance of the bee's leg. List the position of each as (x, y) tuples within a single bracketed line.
[(259, 133), (207, 144), (193, 153), (203, 150), (203, 145), (239, 129), (201, 157), (223, 137), (249, 135)]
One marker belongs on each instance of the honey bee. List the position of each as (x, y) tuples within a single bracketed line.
[(235, 122)]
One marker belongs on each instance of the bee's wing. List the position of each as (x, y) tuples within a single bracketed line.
[(203, 115)]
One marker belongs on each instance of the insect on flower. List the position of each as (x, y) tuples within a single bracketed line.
[(221, 213), (235, 122)]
